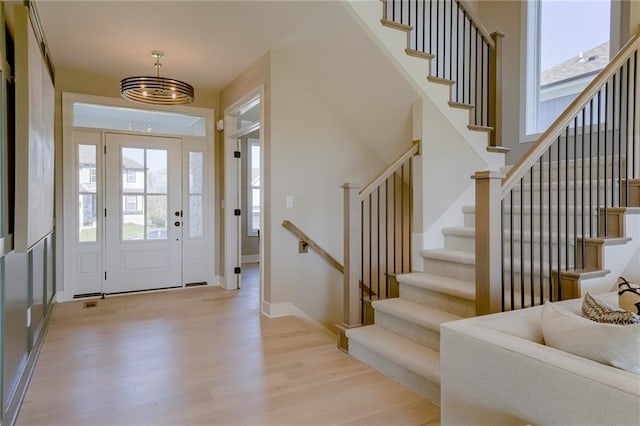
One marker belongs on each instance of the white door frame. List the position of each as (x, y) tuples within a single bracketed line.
[(232, 188), (65, 195)]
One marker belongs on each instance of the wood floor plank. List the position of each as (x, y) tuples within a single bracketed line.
[(204, 356)]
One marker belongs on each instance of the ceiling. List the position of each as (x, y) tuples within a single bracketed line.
[(206, 43)]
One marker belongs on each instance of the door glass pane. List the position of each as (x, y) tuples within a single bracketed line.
[(156, 171), (132, 170), (87, 190), (132, 217), (156, 217), (255, 209), (195, 216), (195, 172), (87, 217)]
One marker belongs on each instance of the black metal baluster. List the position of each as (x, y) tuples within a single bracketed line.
[(531, 249), (633, 142), (481, 82), (606, 119), (451, 40), (558, 216), (464, 51), (386, 231), (410, 213), (395, 222), (541, 209), (566, 199), (521, 242), (590, 177), (582, 215), (424, 26), (613, 146), (619, 145), (437, 38), (502, 269), (511, 239), (457, 52), (470, 62), (378, 243), (430, 25), (598, 164), (575, 191), (626, 138), (549, 220), (401, 11), (475, 99), (362, 279), (402, 218), (370, 247)]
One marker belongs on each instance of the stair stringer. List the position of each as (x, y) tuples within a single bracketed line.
[(616, 258), (393, 43)]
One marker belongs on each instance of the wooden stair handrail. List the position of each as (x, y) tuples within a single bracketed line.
[(315, 246), (528, 160), (378, 180), (473, 17), (322, 252)]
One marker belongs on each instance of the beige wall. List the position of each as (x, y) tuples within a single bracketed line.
[(313, 152)]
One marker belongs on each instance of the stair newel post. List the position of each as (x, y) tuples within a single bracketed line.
[(495, 90), (488, 242), (352, 228)]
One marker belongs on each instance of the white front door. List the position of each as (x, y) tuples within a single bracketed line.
[(144, 217)]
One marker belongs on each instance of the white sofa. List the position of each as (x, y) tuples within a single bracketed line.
[(496, 370)]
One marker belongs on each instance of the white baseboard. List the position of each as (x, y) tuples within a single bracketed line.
[(287, 309), (250, 258)]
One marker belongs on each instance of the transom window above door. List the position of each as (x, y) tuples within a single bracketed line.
[(137, 120)]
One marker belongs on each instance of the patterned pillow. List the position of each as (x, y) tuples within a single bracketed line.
[(599, 311), (629, 296)]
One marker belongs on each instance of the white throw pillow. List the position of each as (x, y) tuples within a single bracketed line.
[(615, 345)]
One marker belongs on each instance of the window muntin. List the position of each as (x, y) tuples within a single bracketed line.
[(87, 193), (254, 188), (144, 194), (196, 184)]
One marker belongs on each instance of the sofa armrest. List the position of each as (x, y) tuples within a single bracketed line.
[(489, 377)]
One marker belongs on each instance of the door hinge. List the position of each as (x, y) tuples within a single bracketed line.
[(236, 154), (105, 149), (236, 270), (105, 212), (105, 275), (237, 212)]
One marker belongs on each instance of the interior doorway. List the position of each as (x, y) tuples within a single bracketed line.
[(244, 197)]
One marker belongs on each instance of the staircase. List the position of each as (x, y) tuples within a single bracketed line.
[(403, 341)]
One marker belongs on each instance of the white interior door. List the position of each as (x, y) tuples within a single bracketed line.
[(144, 212)]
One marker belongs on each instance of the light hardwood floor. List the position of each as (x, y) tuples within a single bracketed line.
[(204, 356)]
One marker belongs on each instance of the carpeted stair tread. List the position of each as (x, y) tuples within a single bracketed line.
[(460, 231), (413, 356), (421, 315), (449, 255), (451, 286)]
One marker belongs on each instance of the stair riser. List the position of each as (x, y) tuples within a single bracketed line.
[(412, 331), (470, 219), (444, 302), (455, 242), (594, 167), (526, 223), (458, 271), (404, 376)]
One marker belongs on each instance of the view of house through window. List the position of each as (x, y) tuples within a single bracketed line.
[(568, 45), (254, 189)]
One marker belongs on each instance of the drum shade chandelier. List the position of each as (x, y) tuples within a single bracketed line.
[(156, 90)]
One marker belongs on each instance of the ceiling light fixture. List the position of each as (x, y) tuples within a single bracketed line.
[(156, 90)]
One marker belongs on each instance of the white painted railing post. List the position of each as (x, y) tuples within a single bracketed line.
[(488, 242), (352, 262)]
